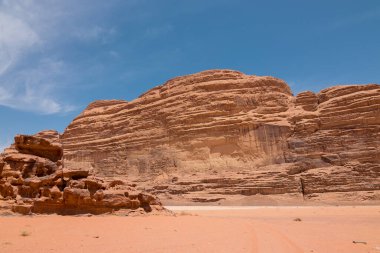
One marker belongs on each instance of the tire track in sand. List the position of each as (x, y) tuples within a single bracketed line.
[(269, 240)]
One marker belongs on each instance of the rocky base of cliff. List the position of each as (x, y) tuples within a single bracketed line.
[(273, 185)]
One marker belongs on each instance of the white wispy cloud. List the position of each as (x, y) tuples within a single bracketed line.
[(156, 31), (95, 33), (16, 38), (32, 76), (33, 88), (28, 88)]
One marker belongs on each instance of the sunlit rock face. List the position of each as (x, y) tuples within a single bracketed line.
[(220, 134)]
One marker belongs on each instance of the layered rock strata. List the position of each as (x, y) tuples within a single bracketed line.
[(34, 180), (225, 133), (221, 133), (201, 117)]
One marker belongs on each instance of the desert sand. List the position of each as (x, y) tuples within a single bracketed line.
[(322, 229)]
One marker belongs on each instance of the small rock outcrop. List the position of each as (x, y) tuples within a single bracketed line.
[(34, 180)]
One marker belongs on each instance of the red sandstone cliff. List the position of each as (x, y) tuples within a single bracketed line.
[(221, 134)]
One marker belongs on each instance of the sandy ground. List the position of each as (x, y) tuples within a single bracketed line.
[(201, 229)]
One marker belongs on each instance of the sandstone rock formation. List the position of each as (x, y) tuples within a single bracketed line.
[(34, 180), (219, 135)]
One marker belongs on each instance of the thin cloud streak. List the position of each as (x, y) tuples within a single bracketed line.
[(16, 38), (356, 19), (33, 89), (95, 33)]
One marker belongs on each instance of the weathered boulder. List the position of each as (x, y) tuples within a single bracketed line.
[(41, 147), (22, 209)]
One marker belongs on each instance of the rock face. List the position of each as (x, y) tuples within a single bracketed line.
[(221, 134), (201, 117), (34, 180)]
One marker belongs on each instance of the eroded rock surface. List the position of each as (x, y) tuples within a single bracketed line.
[(34, 180), (220, 133)]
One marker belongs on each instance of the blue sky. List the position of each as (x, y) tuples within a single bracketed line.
[(58, 56)]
